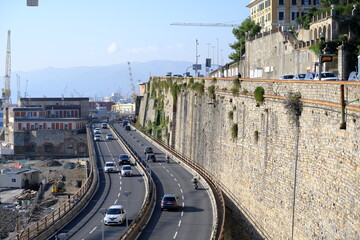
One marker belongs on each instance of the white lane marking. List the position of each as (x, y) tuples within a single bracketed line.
[(175, 235), (167, 170), (175, 179), (120, 182), (118, 194), (179, 223), (182, 213), (179, 185), (181, 190), (183, 204), (163, 167), (93, 230), (120, 188), (115, 202), (182, 196), (171, 175)]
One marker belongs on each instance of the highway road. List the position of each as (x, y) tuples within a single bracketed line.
[(88, 224), (194, 219)]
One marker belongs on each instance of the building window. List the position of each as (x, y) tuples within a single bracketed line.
[(281, 16), (294, 2), (13, 180), (281, 2)]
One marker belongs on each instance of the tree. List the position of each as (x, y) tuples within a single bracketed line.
[(247, 26)]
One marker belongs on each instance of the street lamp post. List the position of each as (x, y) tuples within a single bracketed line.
[(127, 193), (102, 211)]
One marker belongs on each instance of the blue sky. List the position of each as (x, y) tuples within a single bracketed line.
[(68, 33)]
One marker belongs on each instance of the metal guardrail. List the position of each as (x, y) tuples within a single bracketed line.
[(144, 214), (220, 202), (45, 226)]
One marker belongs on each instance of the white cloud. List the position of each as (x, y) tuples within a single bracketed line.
[(112, 48)]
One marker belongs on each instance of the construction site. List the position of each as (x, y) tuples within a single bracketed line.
[(60, 181)]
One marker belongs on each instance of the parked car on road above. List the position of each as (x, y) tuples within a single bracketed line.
[(354, 76), (300, 76), (287, 77), (309, 76), (326, 76)]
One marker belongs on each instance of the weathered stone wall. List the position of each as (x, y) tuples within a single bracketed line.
[(281, 180), (62, 142)]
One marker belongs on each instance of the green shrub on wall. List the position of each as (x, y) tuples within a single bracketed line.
[(198, 87), (211, 90), (259, 95), (294, 106)]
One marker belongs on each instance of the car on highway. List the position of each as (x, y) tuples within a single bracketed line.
[(124, 159), (287, 77), (300, 76), (97, 137), (126, 171), (127, 128), (169, 202), (309, 76), (115, 215), (109, 136), (103, 125), (151, 157), (148, 149), (326, 76), (97, 130), (125, 123), (110, 167)]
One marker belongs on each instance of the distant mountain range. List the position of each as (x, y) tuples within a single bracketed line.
[(94, 82)]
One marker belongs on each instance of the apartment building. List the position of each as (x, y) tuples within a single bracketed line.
[(49, 126), (270, 14)]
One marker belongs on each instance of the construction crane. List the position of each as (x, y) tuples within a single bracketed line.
[(206, 24), (6, 92), (18, 89), (133, 94)]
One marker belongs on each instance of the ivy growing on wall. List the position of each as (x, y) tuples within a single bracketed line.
[(211, 90), (234, 131), (294, 106)]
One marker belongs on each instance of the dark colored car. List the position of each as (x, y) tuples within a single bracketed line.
[(169, 202), (125, 123), (148, 149), (124, 159), (151, 157), (127, 128)]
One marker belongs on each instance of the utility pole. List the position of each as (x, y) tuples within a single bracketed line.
[(6, 93), (197, 57)]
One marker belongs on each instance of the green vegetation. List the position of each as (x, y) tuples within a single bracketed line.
[(211, 90), (245, 91), (247, 26), (198, 87), (234, 131), (236, 88), (259, 95), (294, 106)]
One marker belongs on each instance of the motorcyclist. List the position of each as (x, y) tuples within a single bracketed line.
[(195, 182), (167, 158)]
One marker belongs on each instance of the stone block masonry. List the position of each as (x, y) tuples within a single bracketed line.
[(282, 179)]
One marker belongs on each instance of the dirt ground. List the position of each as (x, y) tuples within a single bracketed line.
[(16, 214)]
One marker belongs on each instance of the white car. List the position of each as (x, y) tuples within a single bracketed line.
[(97, 138), (97, 131), (326, 76), (109, 136), (115, 215), (126, 171), (110, 167)]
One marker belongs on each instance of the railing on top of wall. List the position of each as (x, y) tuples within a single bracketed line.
[(51, 222)]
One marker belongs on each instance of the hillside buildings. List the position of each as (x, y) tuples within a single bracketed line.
[(271, 14)]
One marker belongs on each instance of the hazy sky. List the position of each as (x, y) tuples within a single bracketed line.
[(67, 33)]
